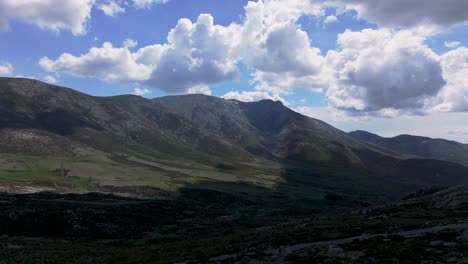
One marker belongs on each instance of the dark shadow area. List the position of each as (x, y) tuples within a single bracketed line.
[(62, 122)]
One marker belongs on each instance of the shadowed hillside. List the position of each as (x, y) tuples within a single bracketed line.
[(430, 148), (199, 138)]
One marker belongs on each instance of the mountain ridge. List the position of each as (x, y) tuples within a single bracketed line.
[(426, 147), (227, 138)]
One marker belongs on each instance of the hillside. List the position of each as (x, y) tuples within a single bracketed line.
[(266, 128), (154, 147), (430, 148)]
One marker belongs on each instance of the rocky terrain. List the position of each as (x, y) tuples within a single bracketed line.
[(431, 227)]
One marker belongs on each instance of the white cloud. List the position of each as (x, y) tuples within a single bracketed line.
[(6, 68), (452, 44), (284, 82), (150, 55), (129, 43), (197, 53), (380, 70), (383, 72), (331, 115), (51, 14), (148, 3), (398, 73), (111, 8), (199, 89), (50, 79), (105, 63), (141, 91), (271, 43), (405, 13), (253, 96), (454, 96), (24, 76), (330, 19)]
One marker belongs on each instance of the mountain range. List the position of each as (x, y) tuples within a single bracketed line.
[(197, 133), (125, 179), (430, 148)]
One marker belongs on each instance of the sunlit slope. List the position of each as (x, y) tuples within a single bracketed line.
[(257, 150)]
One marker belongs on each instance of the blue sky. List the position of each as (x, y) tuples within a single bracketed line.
[(354, 64)]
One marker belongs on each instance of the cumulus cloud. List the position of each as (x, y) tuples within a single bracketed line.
[(196, 53), (111, 8), (50, 79), (6, 68), (129, 43), (377, 70), (403, 80), (287, 49), (330, 19), (253, 96), (202, 53), (148, 3), (277, 48), (284, 82), (454, 96), (404, 13), (141, 91), (199, 89), (452, 44), (106, 63), (51, 14)]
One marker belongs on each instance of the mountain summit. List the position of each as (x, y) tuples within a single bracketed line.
[(42, 120)]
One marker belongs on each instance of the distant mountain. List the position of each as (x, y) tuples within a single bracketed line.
[(265, 128), (39, 119), (440, 149), (187, 126), (34, 115)]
